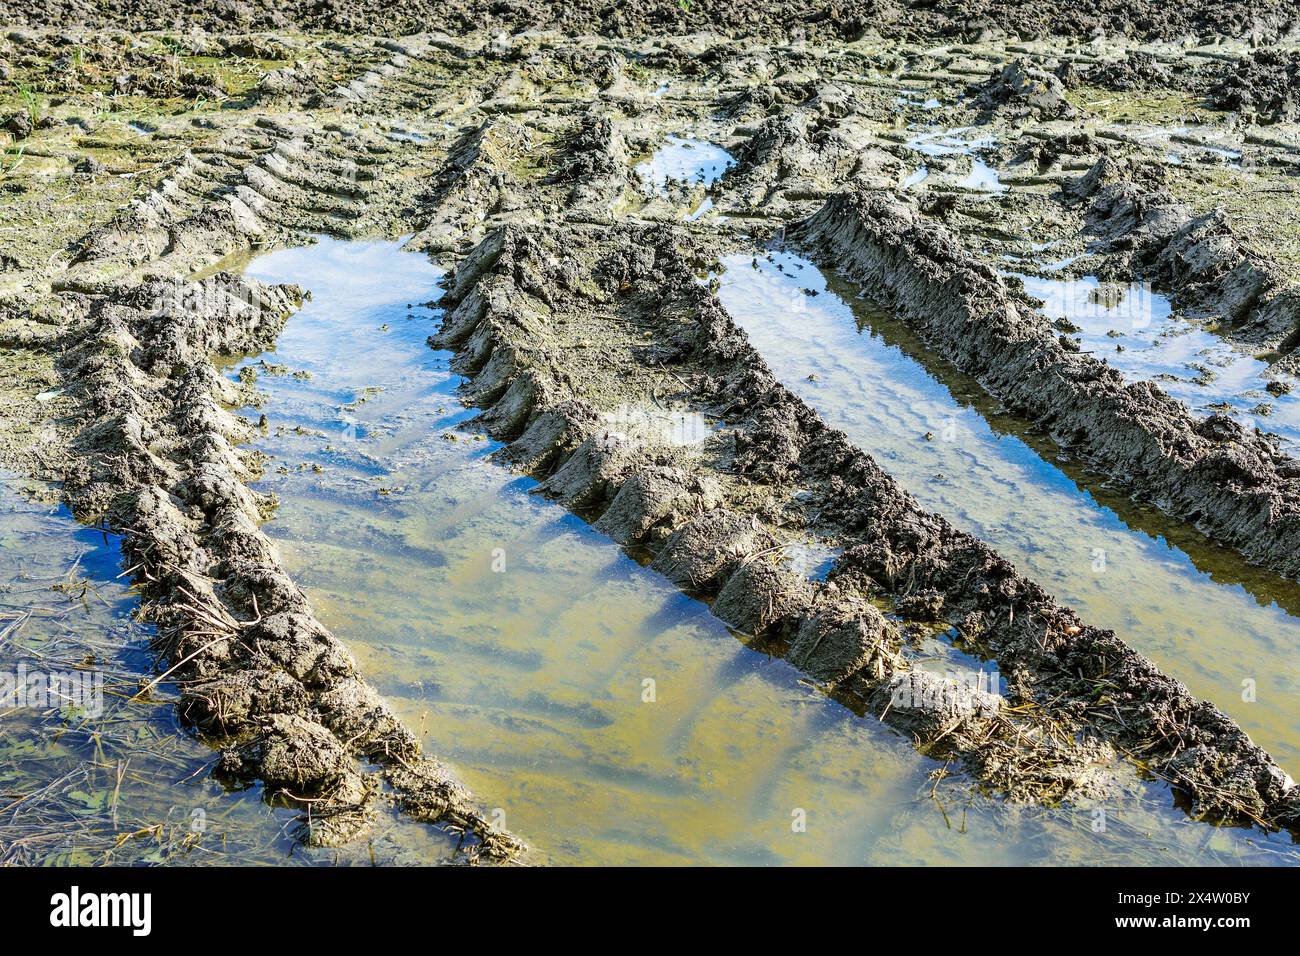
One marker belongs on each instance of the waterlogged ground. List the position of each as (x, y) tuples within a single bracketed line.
[(609, 718), (91, 776), (684, 160), (86, 775), (688, 164), (1133, 328), (943, 145), (1227, 630)]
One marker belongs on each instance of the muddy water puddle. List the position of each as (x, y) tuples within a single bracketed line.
[(684, 160), (684, 163), (88, 775), (911, 99), (609, 718), (1133, 329), (956, 142), (1225, 629), (1201, 145), (950, 142), (916, 177)]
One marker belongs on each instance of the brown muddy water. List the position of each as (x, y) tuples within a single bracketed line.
[(609, 718), (87, 774), (1135, 330), (1227, 630)]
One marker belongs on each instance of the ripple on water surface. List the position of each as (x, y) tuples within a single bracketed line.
[(610, 718), (1227, 630)]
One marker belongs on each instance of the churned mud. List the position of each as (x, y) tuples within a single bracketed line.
[(715, 517), (1200, 612), (1236, 486), (94, 773), (615, 242), (473, 604)]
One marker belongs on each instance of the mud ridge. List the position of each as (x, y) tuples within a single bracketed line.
[(1233, 486), (713, 515), (475, 182), (155, 456), (794, 160), (283, 178), (259, 675), (1210, 272), (595, 163)]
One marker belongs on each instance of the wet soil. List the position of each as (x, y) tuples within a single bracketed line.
[(581, 312), (106, 777), (1263, 20), (1202, 613), (778, 471), (475, 604)]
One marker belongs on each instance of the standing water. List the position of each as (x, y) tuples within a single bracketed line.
[(1227, 630), (691, 163), (611, 719), (1133, 328), (982, 178), (92, 771)]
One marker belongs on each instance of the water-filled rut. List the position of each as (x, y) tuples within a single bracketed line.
[(1224, 628), (601, 714), (93, 771)]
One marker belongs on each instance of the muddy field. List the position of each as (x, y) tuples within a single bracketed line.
[(587, 436)]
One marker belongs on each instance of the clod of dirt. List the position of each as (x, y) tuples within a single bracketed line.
[(657, 498), (552, 435), (1023, 89), (763, 598), (90, 166), (1136, 70), (288, 83), (1128, 206), (1048, 152), (698, 554), (19, 124), (591, 475), (929, 705), (841, 640), (296, 755), (1264, 86), (804, 154), (595, 161)]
